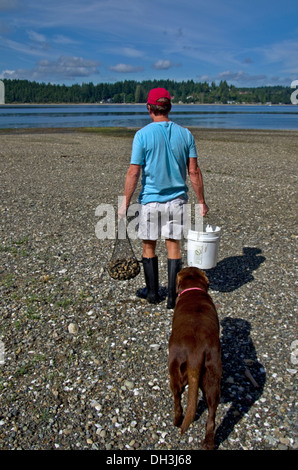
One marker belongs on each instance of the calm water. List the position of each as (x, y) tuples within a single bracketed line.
[(205, 116)]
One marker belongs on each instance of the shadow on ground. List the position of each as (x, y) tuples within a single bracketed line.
[(238, 358), (235, 271)]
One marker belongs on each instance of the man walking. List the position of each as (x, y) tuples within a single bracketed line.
[(163, 152)]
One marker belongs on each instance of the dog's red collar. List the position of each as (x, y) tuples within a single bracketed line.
[(191, 288)]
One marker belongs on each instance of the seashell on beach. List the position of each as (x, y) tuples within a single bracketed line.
[(123, 269)]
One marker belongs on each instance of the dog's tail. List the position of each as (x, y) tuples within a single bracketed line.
[(193, 374)]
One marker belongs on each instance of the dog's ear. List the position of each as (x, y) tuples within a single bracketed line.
[(178, 278), (206, 280)]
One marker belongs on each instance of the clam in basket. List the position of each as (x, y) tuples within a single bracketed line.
[(123, 264)]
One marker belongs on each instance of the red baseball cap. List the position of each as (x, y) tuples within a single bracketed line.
[(157, 93)]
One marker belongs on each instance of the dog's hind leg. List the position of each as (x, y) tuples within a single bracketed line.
[(211, 386), (192, 399), (176, 385)]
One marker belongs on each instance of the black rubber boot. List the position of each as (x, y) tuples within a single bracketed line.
[(150, 292), (174, 266)]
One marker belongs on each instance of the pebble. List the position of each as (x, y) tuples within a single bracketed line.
[(155, 347), (73, 329), (129, 385), (85, 364)]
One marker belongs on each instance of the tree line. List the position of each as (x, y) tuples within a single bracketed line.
[(130, 91)]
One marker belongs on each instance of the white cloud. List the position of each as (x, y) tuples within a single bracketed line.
[(284, 53), (69, 68), (126, 68), (36, 37), (162, 65), (21, 47), (8, 74), (63, 40), (131, 52), (239, 76), (205, 78)]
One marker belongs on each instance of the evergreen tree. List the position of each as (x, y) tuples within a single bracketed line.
[(130, 91)]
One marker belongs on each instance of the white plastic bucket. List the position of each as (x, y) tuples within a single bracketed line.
[(202, 247)]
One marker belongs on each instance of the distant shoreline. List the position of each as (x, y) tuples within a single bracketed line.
[(144, 104), (130, 131)]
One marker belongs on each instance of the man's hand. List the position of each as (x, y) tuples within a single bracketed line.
[(203, 209), (122, 210)]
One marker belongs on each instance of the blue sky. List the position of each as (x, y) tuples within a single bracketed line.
[(247, 43)]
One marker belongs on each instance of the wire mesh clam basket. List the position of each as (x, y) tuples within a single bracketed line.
[(123, 264)]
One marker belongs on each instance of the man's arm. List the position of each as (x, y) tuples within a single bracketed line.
[(131, 181), (196, 180)]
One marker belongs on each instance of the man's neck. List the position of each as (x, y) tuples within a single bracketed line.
[(160, 118)]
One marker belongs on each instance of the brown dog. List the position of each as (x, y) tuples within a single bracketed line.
[(194, 351)]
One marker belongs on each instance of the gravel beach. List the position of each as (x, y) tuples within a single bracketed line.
[(83, 360)]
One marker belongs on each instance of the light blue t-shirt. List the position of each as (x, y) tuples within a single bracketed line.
[(163, 149)]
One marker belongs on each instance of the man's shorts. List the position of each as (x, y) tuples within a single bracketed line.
[(163, 220)]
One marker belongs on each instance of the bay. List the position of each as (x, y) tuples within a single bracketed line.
[(276, 117)]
